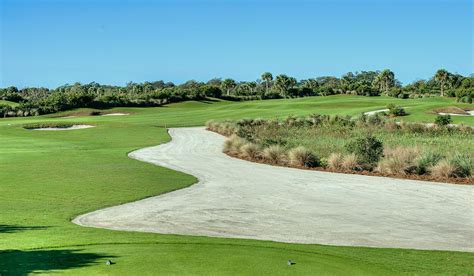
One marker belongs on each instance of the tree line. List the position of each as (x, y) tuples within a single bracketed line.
[(38, 100)]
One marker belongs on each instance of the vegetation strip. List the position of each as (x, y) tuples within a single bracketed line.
[(286, 143)]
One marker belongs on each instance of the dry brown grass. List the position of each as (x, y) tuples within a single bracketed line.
[(443, 169), (399, 160), (233, 144), (335, 161), (302, 157), (250, 150), (350, 162), (275, 154)]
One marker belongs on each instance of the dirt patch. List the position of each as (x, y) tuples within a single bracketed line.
[(454, 111)]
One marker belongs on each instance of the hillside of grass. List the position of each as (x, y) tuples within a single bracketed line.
[(8, 103), (50, 177)]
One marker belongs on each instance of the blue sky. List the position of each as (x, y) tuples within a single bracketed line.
[(52, 42)]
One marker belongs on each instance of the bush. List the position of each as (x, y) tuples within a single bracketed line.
[(443, 120), (443, 169), (303, 157), (463, 165), (395, 110), (274, 154), (49, 124), (351, 162), (426, 161), (335, 161), (250, 150), (368, 150)]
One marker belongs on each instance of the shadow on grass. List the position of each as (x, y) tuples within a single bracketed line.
[(4, 228), (18, 262)]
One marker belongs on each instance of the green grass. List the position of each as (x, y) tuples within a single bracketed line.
[(47, 178), (324, 140), (8, 103)]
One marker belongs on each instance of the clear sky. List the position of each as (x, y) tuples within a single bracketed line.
[(53, 42)]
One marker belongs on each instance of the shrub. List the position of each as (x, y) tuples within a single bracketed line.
[(398, 161), (443, 120), (463, 165), (233, 144), (368, 150), (49, 124), (424, 162), (443, 169), (275, 154), (335, 161), (395, 110), (303, 157), (250, 150), (351, 162)]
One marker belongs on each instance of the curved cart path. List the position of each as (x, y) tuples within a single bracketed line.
[(239, 199)]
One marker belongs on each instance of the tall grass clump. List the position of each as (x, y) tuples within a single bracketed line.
[(302, 157), (424, 162), (335, 161), (225, 128), (275, 154), (443, 169), (233, 144), (463, 165), (399, 160), (350, 162), (250, 150)]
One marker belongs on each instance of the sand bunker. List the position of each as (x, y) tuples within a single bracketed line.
[(240, 199), (467, 113), (370, 113), (116, 114), (74, 127)]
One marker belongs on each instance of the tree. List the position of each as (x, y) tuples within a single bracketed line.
[(284, 83), (385, 80), (441, 77), (267, 77), (228, 84)]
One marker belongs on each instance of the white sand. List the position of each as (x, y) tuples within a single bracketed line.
[(116, 114), (74, 127), (239, 199), (469, 113), (370, 113)]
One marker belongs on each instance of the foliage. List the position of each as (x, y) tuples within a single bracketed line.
[(368, 150), (463, 165), (443, 120), (395, 110)]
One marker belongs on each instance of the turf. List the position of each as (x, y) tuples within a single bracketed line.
[(8, 103), (47, 178)]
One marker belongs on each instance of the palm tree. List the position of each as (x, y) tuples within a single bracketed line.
[(228, 84), (441, 76), (385, 80), (267, 77), (284, 83)]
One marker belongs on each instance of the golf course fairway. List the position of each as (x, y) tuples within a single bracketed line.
[(49, 177)]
